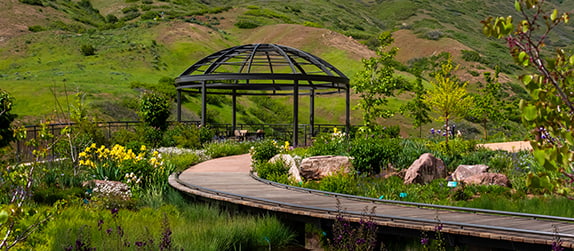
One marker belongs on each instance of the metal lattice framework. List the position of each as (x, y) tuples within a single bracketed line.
[(263, 69)]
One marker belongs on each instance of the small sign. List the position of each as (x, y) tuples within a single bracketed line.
[(452, 184)]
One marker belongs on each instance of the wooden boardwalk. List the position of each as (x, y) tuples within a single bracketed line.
[(228, 179)]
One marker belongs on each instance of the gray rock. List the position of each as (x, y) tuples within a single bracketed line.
[(317, 167), (425, 169), (465, 171), (488, 179)]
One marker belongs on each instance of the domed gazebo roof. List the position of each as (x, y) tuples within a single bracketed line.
[(263, 69)]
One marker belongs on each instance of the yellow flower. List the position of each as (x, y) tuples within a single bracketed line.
[(335, 130), (83, 154), (143, 148)]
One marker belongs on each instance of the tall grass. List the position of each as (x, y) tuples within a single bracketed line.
[(193, 227)]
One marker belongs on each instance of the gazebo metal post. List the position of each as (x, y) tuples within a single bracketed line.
[(234, 110), (348, 109), (178, 105), (312, 112), (203, 103), (295, 113)]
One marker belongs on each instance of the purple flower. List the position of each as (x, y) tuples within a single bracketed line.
[(438, 227), (100, 223), (424, 241), (115, 211), (140, 243), (557, 246), (109, 230)]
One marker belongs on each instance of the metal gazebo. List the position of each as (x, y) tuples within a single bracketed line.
[(263, 69)]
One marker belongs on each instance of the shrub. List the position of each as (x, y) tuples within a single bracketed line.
[(6, 118), (88, 50), (247, 24), (274, 171), (434, 35), (155, 110), (264, 150), (33, 2), (110, 18), (36, 28), (183, 136), (226, 148), (183, 161), (339, 183), (335, 143), (372, 154)]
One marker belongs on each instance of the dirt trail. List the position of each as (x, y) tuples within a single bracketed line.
[(509, 146)]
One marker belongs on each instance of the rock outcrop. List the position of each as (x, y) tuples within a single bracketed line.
[(425, 169), (317, 167)]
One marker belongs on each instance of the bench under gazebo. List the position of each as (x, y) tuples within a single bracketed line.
[(263, 69)]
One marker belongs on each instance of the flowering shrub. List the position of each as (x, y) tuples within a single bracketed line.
[(140, 170), (330, 144), (349, 236), (266, 149)]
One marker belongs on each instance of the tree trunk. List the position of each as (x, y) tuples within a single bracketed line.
[(447, 131)]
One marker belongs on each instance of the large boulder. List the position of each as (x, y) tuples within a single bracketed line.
[(425, 169), (291, 163), (464, 171), (317, 167), (488, 179)]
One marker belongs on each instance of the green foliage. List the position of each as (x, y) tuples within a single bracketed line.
[(488, 104), (377, 81), (225, 148), (448, 97), (155, 110), (247, 24), (550, 112), (275, 171), (33, 2), (88, 50), (6, 118), (36, 28), (335, 143), (184, 160), (339, 183), (371, 155), (113, 230), (416, 108), (183, 136), (471, 56), (264, 150)]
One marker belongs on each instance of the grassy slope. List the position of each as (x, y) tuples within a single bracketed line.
[(33, 64)]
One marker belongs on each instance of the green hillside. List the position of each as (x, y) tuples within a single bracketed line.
[(111, 50)]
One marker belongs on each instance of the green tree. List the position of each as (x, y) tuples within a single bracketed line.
[(488, 103), (416, 108), (550, 112), (377, 81), (6, 118), (155, 110), (448, 96)]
